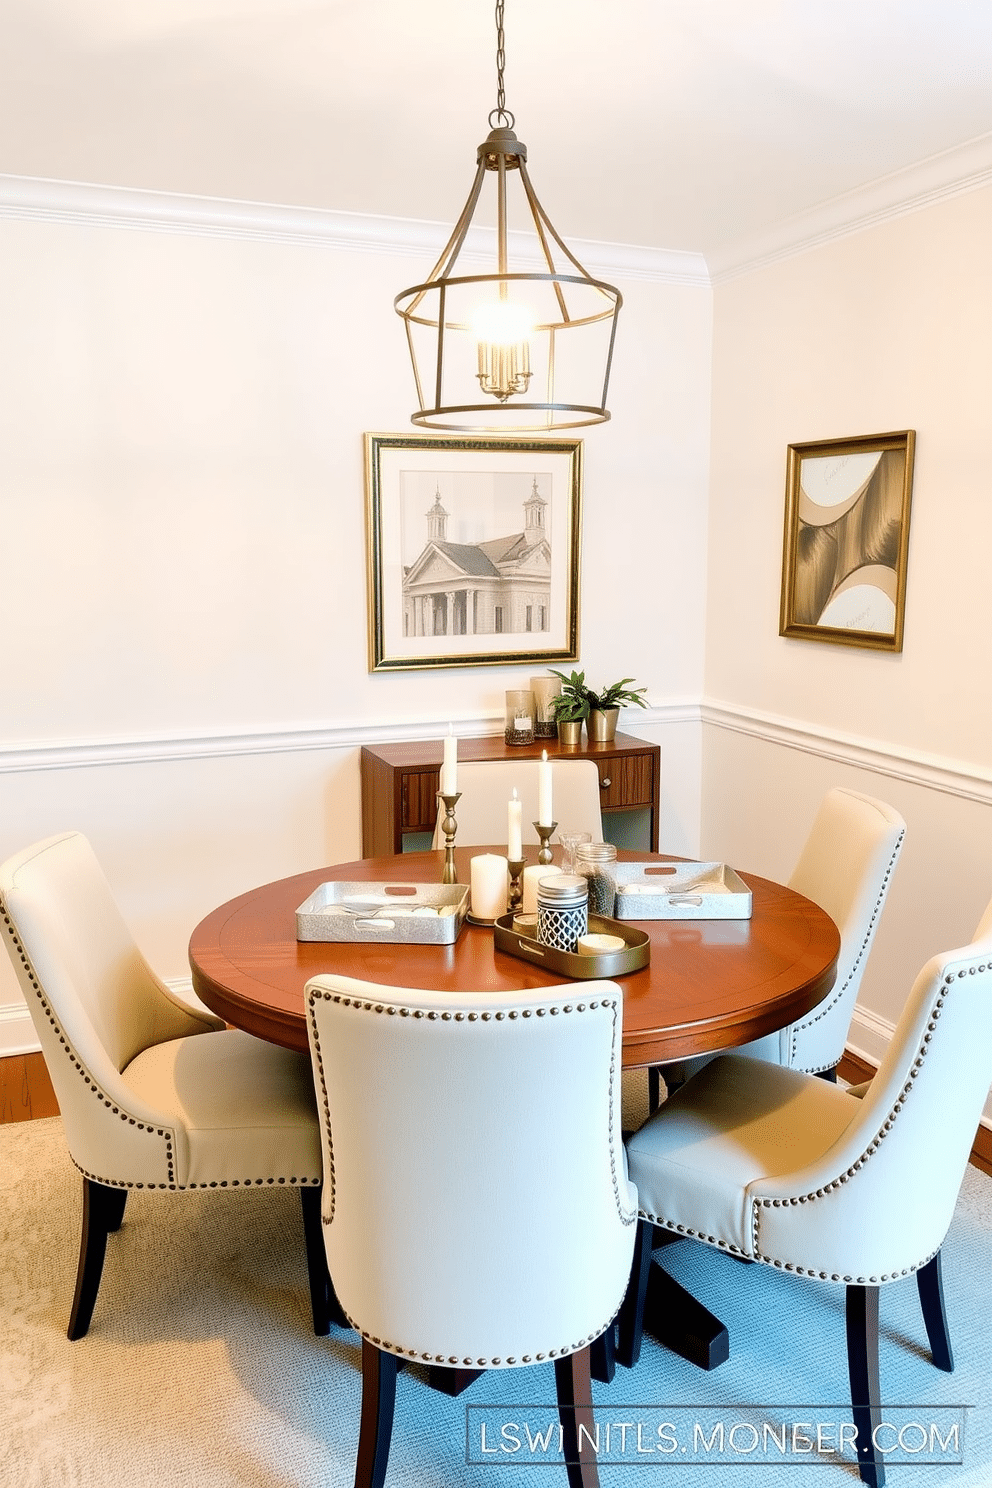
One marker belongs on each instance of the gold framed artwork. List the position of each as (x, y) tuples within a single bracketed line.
[(846, 544), (473, 550)]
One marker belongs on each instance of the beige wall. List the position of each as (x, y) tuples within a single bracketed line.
[(183, 580), (886, 329), (181, 420)]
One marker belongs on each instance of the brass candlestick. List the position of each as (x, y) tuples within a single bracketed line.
[(450, 827), (515, 867), (544, 855)]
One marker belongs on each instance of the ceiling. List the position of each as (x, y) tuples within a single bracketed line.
[(680, 124)]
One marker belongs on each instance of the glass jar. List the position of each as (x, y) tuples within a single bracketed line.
[(597, 863), (519, 728), (545, 690), (562, 911)]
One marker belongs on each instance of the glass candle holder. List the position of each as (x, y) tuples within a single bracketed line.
[(545, 690), (519, 726)]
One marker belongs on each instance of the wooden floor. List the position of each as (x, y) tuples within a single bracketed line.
[(25, 1089), (26, 1093)]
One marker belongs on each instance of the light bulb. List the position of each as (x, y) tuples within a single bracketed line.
[(502, 330)]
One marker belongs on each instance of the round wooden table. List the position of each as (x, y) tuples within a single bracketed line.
[(710, 984)]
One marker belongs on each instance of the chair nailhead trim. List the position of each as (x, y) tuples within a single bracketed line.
[(495, 1361), (756, 1253), (826, 1008), (166, 1133), (628, 1216)]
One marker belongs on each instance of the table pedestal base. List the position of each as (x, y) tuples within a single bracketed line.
[(675, 1318)]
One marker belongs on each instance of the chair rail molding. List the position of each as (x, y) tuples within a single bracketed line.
[(942, 773), (83, 204), (73, 754)]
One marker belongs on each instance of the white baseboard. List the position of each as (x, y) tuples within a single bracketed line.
[(17, 1035)]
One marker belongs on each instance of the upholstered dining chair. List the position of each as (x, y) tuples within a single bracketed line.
[(486, 787), (153, 1095), (476, 1211), (773, 1165), (845, 867)]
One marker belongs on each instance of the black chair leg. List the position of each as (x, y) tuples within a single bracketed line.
[(324, 1304), (103, 1212), (930, 1283), (862, 1365), (603, 1356), (573, 1380), (654, 1088), (631, 1315), (379, 1371)]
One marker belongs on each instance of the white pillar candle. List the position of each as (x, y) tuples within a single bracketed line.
[(544, 815), (514, 821), (449, 768), (488, 885), (532, 877)]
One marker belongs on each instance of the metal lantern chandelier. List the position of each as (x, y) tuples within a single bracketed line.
[(527, 344)]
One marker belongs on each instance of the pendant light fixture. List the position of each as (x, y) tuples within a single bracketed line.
[(527, 344)]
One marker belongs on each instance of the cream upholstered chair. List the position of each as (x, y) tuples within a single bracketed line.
[(477, 1212), (845, 867), (774, 1165), (153, 1095), (486, 787)]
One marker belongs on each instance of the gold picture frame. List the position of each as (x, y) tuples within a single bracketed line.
[(473, 548), (847, 504)]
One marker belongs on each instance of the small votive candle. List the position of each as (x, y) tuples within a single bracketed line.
[(600, 945), (526, 924), (488, 886)]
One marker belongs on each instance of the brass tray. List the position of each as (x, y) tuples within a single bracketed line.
[(637, 952)]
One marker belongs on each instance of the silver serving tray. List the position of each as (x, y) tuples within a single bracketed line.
[(681, 891), (383, 912)]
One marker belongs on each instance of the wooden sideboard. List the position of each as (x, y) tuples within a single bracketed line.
[(400, 782)]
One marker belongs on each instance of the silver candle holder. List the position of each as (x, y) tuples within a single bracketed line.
[(449, 826), (544, 853)]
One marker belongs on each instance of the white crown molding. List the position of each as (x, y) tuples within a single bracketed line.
[(954, 172), (936, 772), (80, 204)]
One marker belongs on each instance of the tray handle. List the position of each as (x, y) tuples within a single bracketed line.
[(530, 950)]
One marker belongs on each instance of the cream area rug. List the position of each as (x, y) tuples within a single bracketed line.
[(200, 1367)]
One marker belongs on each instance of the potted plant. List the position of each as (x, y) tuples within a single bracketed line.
[(570, 707), (600, 710)]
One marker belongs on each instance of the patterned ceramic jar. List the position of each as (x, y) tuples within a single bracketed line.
[(562, 911)]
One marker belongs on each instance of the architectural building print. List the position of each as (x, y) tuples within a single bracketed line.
[(502, 586)]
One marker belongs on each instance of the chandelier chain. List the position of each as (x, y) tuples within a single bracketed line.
[(500, 113)]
